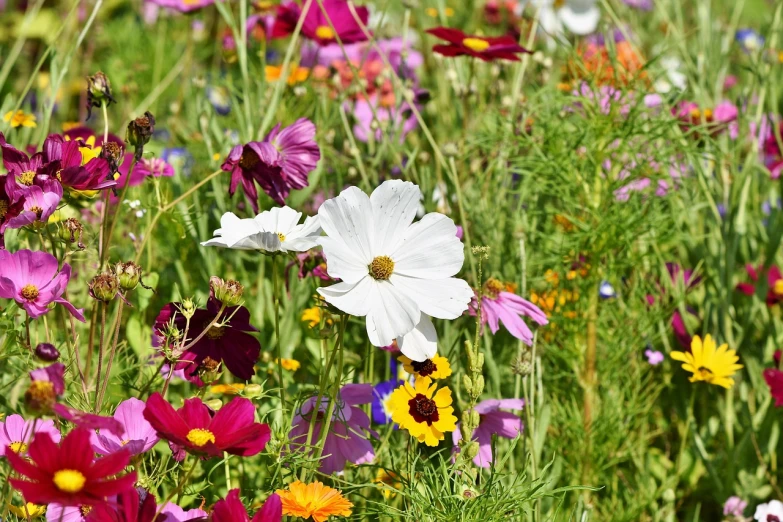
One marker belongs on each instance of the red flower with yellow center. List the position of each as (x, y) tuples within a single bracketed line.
[(486, 48)]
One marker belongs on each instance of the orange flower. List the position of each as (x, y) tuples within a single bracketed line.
[(621, 69), (313, 500)]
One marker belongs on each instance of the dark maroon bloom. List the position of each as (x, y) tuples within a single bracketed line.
[(68, 474), (231, 509), (310, 263), (47, 352), (774, 283), (486, 48), (316, 22), (76, 169), (774, 378), (9, 209), (130, 506), (278, 164), (194, 428), (226, 341), (23, 170)]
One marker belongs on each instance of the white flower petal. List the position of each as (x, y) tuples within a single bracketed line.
[(234, 233), (394, 205), (342, 263), (580, 19), (303, 237), (392, 315), (280, 220), (421, 343), (442, 298), (348, 220), (429, 249), (354, 299)]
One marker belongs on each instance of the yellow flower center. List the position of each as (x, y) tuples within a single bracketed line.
[(199, 437), (704, 374), (777, 288), (85, 510), (69, 480), (493, 287), (38, 211), (381, 268), (476, 44), (3, 209), (26, 178), (29, 292), (215, 332), (124, 442), (18, 447), (281, 236), (324, 32)]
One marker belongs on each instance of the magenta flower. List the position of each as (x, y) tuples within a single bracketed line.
[(16, 433), (734, 506), (226, 341), (138, 435), (11, 208), (38, 205), (774, 283), (774, 379), (231, 509), (147, 167), (498, 306), (316, 22), (65, 161), (183, 6), (278, 164), (88, 421), (174, 513), (59, 513), (492, 422), (33, 281), (773, 155), (23, 171), (347, 440), (654, 357)]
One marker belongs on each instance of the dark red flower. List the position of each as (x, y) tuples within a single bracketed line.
[(774, 378), (316, 23), (75, 165), (486, 48), (774, 283), (226, 341), (232, 429), (231, 509), (129, 506), (68, 474), (245, 165)]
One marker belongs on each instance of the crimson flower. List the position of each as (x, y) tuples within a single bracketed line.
[(774, 378), (68, 474), (774, 283), (486, 48), (129, 507), (316, 22), (231, 509), (194, 428)]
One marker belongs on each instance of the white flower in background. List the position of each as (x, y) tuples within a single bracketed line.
[(674, 77), (577, 16), (769, 512), (276, 230), (393, 271)]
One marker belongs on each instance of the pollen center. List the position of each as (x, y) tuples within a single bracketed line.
[(69, 480), (476, 44), (18, 447), (777, 288), (26, 178), (704, 373), (248, 160), (423, 409), (558, 4), (38, 211), (29, 292), (3, 209), (281, 236), (324, 32), (215, 332), (85, 510), (493, 287), (199, 437), (424, 368), (381, 268)]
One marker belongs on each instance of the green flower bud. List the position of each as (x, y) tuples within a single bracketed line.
[(98, 92), (214, 404), (228, 292), (71, 231), (104, 287), (188, 308), (129, 275), (253, 391), (471, 450), (209, 370), (468, 384)]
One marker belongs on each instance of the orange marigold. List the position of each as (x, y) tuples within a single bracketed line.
[(313, 500)]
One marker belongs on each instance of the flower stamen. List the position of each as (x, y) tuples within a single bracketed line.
[(29, 292), (381, 268), (476, 44), (69, 480), (199, 437)]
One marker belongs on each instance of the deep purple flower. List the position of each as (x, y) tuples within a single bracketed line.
[(316, 23), (23, 170), (498, 305), (77, 166), (226, 341), (34, 282), (347, 440), (138, 435), (492, 422)]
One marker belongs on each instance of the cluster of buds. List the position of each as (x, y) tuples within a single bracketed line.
[(105, 286), (227, 292), (72, 231), (139, 133), (98, 92)]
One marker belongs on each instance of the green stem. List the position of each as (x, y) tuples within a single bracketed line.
[(279, 347)]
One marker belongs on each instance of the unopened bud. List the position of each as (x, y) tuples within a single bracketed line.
[(523, 365), (478, 386), (72, 230), (253, 391), (468, 384), (129, 275), (228, 292), (214, 404), (139, 133), (104, 287), (468, 493), (471, 450), (188, 308), (475, 418), (47, 352), (98, 91), (450, 150)]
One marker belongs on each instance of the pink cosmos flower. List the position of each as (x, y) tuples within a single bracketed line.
[(316, 22), (16, 433), (231, 509), (492, 422), (719, 119), (347, 439), (498, 305), (385, 120), (59, 513), (183, 6), (33, 281), (773, 154), (12, 208), (38, 205), (194, 429), (654, 357), (174, 513), (138, 435), (54, 373)]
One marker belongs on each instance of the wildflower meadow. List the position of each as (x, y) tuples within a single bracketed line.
[(402, 260)]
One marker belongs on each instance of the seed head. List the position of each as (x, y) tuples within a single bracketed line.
[(104, 286), (139, 133)]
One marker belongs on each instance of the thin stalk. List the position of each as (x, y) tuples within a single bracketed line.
[(276, 304), (100, 351), (112, 353)]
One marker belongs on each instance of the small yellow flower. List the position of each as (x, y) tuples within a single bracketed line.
[(313, 500), (227, 389), (423, 410), (216, 156), (29, 509), (708, 364), (436, 368), (20, 119), (388, 481), (312, 316), (289, 364), (432, 12), (297, 74)]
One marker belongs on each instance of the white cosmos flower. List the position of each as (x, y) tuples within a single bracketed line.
[(769, 511), (276, 230), (393, 271), (578, 16)]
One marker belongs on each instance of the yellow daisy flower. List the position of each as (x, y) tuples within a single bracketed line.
[(708, 364), (423, 410), (436, 368), (289, 364), (313, 500), (312, 316), (22, 512), (20, 119), (296, 75), (227, 389)]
